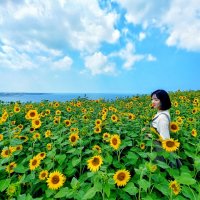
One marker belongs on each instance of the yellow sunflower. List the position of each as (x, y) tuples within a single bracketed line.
[(41, 155), (49, 146), (97, 148), (170, 145), (32, 130), (1, 137), (175, 187), (36, 123), (19, 147), (194, 110), (114, 118), (32, 114), (178, 112), (21, 126), (16, 109), (23, 137), (34, 163), (73, 138), (115, 141), (142, 146), (43, 175), (174, 127), (131, 116), (10, 167), (97, 129), (121, 177), (47, 133), (179, 120), (11, 190), (67, 122), (6, 153), (194, 133), (106, 137), (68, 109), (55, 180), (94, 163), (98, 122), (58, 112), (36, 136)]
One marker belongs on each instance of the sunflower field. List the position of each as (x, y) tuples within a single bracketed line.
[(99, 149)]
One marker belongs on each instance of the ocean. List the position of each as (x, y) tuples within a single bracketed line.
[(38, 97)]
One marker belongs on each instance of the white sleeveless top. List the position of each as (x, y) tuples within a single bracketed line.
[(161, 122)]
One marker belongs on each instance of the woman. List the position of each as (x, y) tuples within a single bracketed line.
[(161, 121)]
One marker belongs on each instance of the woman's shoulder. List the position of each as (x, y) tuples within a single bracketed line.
[(164, 115)]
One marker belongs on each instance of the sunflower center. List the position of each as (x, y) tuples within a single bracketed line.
[(121, 176), (7, 152), (95, 162), (170, 143), (34, 162), (43, 174), (174, 127), (37, 122), (73, 138), (32, 114), (55, 179), (114, 141), (11, 167)]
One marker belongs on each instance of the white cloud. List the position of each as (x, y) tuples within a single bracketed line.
[(142, 36), (81, 24), (62, 64), (128, 55), (179, 19), (182, 22), (98, 64), (151, 58), (143, 12), (32, 54)]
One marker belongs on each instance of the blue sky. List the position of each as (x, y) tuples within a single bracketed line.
[(111, 46)]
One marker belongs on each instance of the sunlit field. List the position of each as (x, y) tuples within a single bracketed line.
[(99, 149)]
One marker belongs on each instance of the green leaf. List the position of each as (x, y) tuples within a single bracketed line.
[(97, 186), (186, 179), (74, 183), (49, 192), (62, 193), (15, 142), (163, 188), (60, 158), (162, 165), (197, 163), (21, 197), (132, 157), (144, 184), (90, 193), (20, 169), (108, 159), (188, 192), (4, 184), (131, 189), (29, 177), (71, 150), (29, 197), (106, 189), (75, 161)]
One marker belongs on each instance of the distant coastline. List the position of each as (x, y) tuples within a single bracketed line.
[(37, 97)]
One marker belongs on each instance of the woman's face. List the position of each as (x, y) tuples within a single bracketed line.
[(155, 102)]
